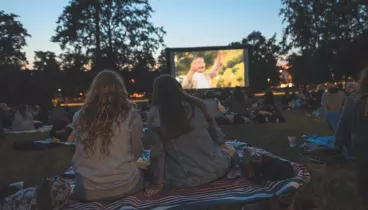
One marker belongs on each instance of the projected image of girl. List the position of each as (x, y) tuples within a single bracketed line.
[(197, 77)]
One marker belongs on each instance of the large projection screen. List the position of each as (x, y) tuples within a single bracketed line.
[(210, 67)]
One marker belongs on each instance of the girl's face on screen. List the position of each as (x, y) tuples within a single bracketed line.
[(200, 65)]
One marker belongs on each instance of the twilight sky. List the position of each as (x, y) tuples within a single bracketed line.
[(189, 23)]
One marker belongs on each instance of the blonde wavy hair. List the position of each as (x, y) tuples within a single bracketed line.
[(106, 103)]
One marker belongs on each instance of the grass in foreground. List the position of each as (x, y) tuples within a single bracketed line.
[(332, 187)]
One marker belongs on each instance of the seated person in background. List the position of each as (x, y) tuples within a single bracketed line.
[(333, 100), (305, 98), (108, 142), (352, 132), (184, 138), (215, 107), (61, 132), (351, 88), (60, 114), (267, 111), (225, 93), (23, 118), (239, 103), (316, 97), (286, 100)]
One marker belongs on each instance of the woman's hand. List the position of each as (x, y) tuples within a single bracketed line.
[(153, 189)]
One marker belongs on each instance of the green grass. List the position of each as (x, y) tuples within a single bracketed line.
[(332, 187)]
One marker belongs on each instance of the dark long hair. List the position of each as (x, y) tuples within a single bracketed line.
[(169, 96), (363, 80)]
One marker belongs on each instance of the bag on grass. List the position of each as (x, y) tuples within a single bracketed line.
[(261, 168)]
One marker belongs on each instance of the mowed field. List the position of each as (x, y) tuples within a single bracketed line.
[(333, 187)]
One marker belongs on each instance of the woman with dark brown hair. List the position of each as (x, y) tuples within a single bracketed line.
[(184, 139), (108, 135)]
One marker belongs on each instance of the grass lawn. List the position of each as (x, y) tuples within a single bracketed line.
[(332, 187)]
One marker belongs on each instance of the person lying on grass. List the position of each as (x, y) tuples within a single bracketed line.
[(108, 142), (184, 139)]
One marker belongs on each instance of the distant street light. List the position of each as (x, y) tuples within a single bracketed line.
[(59, 90)]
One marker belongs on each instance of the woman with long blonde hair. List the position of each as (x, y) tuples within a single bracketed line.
[(108, 135)]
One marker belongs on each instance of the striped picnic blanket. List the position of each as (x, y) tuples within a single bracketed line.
[(231, 189)]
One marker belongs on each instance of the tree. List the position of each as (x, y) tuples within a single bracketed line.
[(12, 40), (319, 32), (263, 57), (46, 61), (114, 32)]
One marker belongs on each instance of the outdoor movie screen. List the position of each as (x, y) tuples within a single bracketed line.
[(215, 68)]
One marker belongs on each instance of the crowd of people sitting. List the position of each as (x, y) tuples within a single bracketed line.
[(185, 140), (184, 137)]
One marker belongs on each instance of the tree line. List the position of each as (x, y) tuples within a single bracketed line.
[(322, 41)]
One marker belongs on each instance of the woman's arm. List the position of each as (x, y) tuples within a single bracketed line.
[(156, 145), (136, 141), (220, 107)]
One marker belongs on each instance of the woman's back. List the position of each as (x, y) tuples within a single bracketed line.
[(193, 158), (115, 173)]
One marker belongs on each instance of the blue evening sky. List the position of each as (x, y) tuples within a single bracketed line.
[(188, 23)]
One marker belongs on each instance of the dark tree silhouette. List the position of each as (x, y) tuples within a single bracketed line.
[(12, 40), (110, 32), (263, 57), (320, 32), (46, 61)]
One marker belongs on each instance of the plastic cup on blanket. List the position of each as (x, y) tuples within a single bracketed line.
[(292, 141)]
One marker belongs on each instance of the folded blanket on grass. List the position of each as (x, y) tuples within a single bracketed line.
[(43, 129), (231, 189)]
